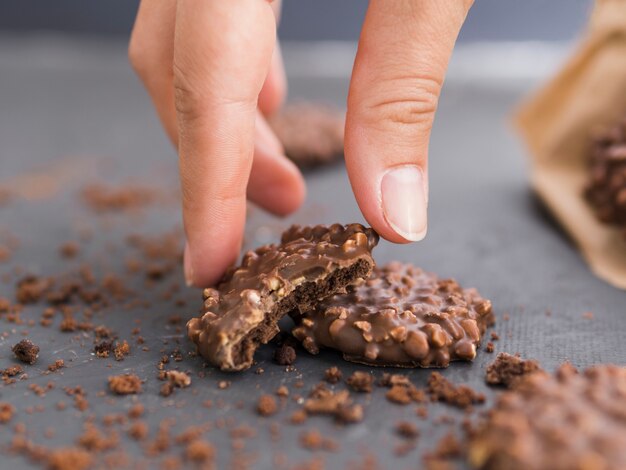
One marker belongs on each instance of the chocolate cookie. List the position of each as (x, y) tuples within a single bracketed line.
[(606, 188), (402, 317), (565, 421), (310, 263), (311, 134)]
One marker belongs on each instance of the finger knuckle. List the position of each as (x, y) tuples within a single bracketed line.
[(408, 101)]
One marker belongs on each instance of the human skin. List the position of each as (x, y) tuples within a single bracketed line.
[(213, 70)]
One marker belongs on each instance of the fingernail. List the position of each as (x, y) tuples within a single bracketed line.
[(403, 194), (187, 269)]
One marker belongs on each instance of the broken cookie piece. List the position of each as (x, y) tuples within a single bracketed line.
[(562, 421), (400, 316), (310, 264), (311, 134)]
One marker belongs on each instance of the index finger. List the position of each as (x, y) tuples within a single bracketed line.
[(222, 52)]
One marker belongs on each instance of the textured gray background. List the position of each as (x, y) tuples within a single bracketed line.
[(76, 111)]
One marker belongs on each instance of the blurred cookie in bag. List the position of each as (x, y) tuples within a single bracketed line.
[(606, 188), (312, 134)]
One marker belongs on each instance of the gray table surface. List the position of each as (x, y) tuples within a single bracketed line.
[(73, 114)]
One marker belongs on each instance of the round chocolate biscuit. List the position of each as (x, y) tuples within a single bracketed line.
[(311, 134), (568, 420), (400, 316), (309, 264)]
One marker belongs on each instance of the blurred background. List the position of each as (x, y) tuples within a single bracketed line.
[(309, 20)]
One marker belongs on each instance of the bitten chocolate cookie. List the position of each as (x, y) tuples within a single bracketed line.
[(561, 422), (401, 316), (606, 188), (310, 263), (311, 134)]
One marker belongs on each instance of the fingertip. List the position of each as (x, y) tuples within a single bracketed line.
[(204, 266)]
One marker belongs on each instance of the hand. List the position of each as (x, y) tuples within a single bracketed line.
[(213, 68)]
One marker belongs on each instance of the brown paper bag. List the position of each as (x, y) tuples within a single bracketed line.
[(589, 92)]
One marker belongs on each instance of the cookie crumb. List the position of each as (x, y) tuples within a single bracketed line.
[(507, 369), (332, 375), (56, 365), (461, 396), (121, 350), (266, 406), (199, 451), (298, 417), (69, 249), (223, 384), (407, 430), (6, 412), (138, 430), (69, 458), (125, 384), (26, 351), (361, 382), (136, 411), (313, 440), (178, 379), (285, 354)]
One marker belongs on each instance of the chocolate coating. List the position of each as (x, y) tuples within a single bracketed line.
[(311, 134), (565, 421), (401, 316), (606, 186), (309, 264)]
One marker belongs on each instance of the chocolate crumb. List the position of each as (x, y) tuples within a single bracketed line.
[(462, 396), (389, 380), (223, 384), (398, 394), (282, 391), (266, 406), (199, 451), (490, 347), (11, 371), (138, 430), (361, 382), (6, 412), (56, 365), (313, 440), (103, 349), (69, 458), (136, 411), (121, 350), (125, 384), (26, 351), (69, 249), (337, 404), (166, 389), (285, 354), (494, 336), (178, 379), (447, 448), (298, 417), (31, 289), (507, 369), (407, 430), (332, 375)]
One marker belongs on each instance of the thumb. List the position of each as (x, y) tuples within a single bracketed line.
[(399, 69)]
